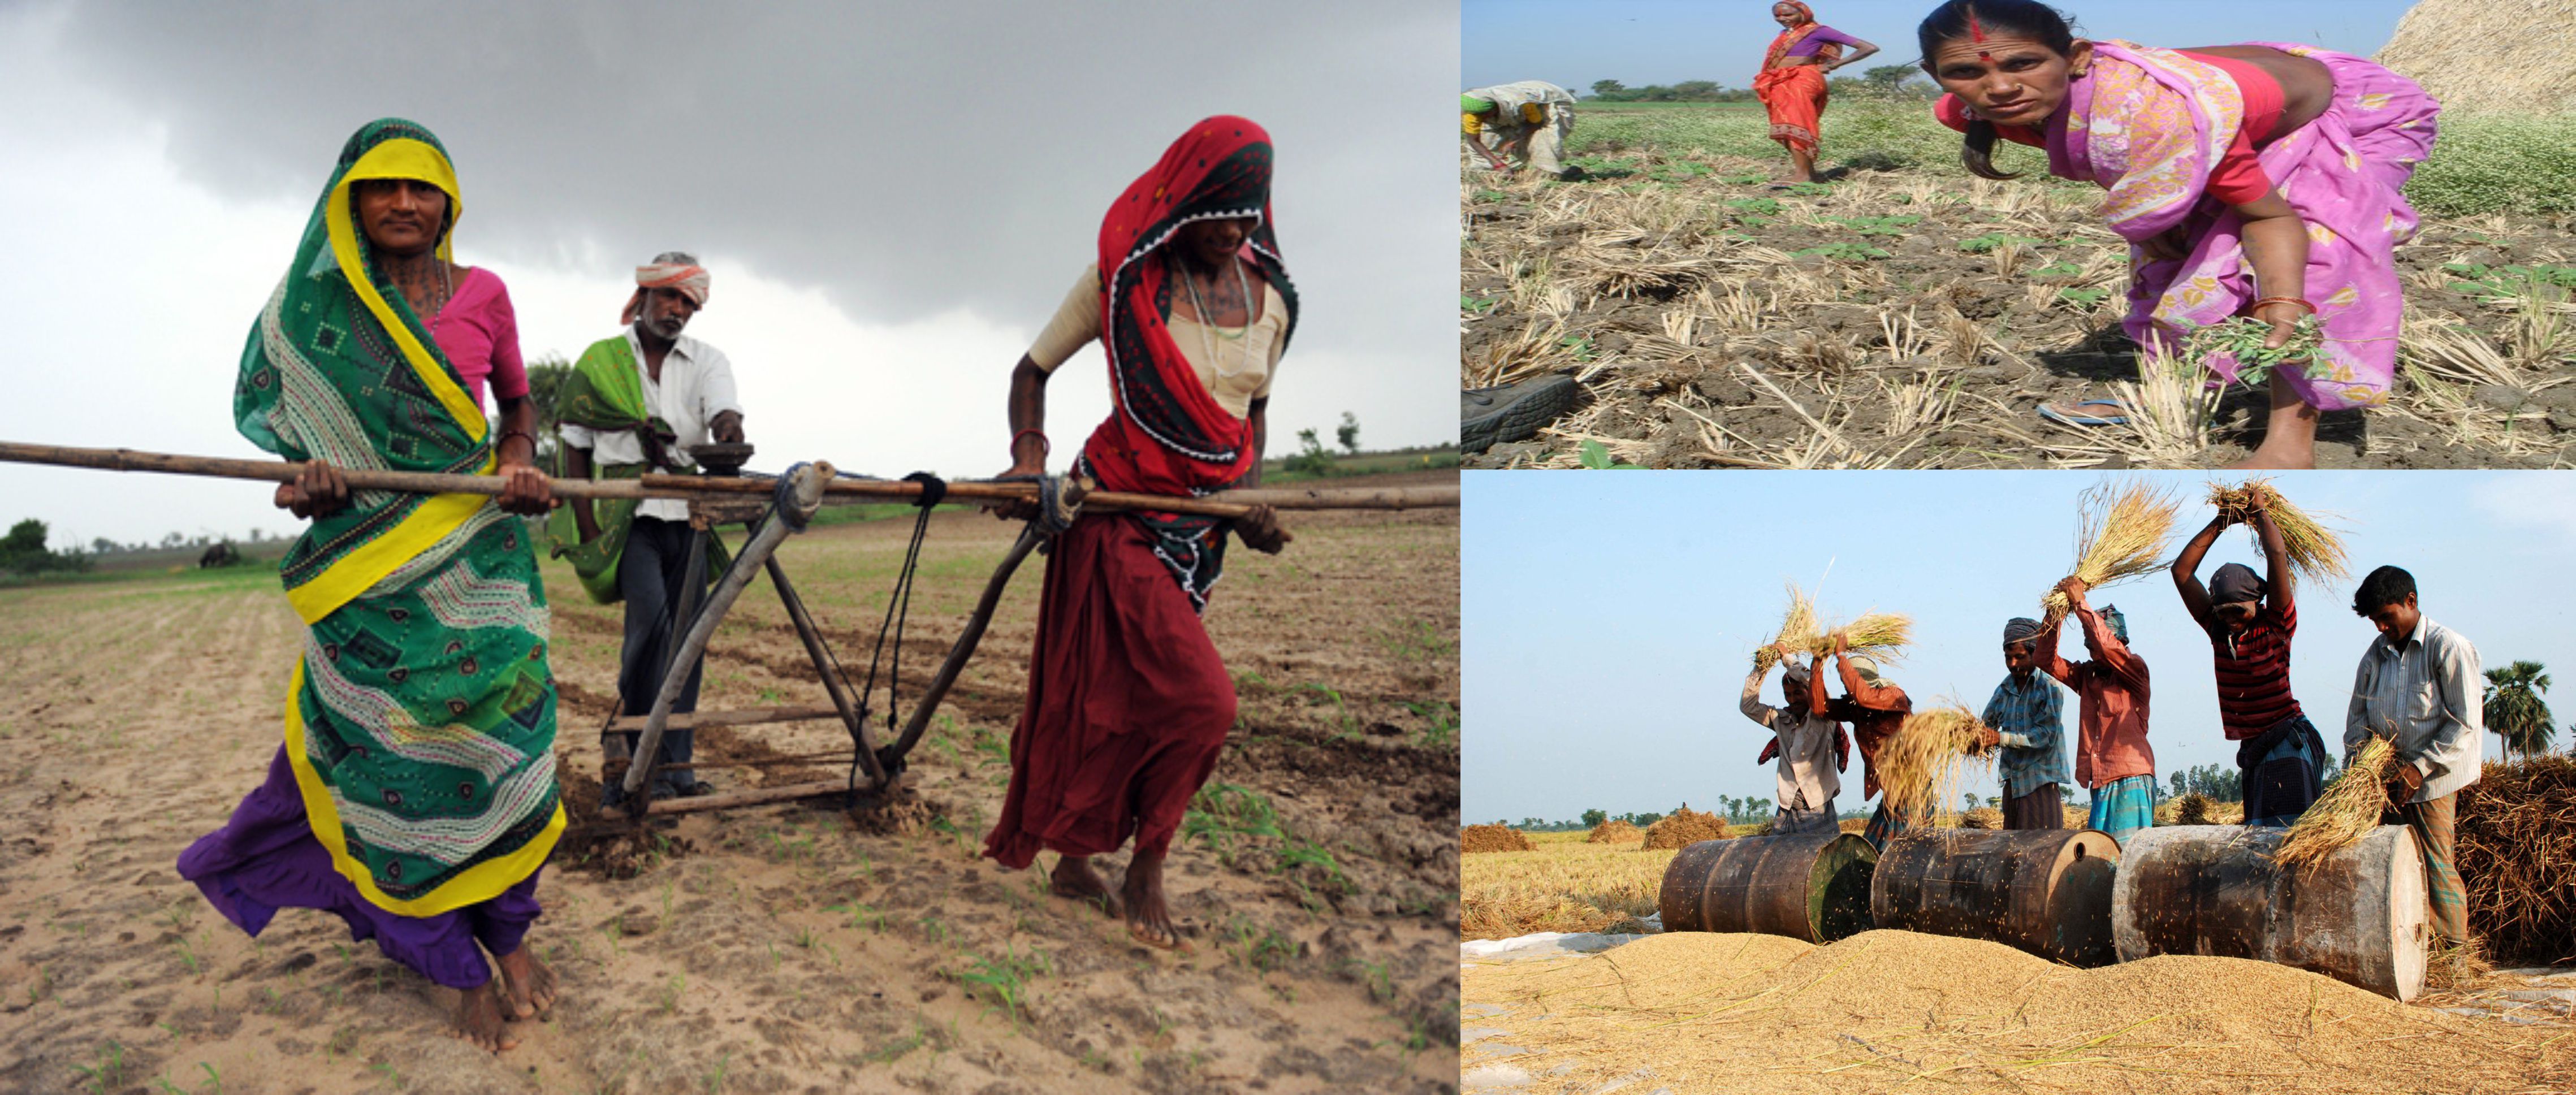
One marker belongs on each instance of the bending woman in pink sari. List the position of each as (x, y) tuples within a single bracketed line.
[(2263, 179)]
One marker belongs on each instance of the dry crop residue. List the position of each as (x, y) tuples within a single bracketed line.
[(775, 948), (1683, 828), (1492, 838), (1614, 832), (1917, 319), (1713, 1012)]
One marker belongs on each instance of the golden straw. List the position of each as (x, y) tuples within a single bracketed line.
[(1797, 628), (2347, 812), (2120, 535), (1920, 766), (2315, 551)]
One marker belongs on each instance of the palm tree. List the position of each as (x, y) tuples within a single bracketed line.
[(2515, 711)]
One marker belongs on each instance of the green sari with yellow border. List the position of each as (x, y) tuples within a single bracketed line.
[(420, 724)]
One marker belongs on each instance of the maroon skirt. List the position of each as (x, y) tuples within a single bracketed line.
[(1128, 703)]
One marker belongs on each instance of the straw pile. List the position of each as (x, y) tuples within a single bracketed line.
[(1879, 635), (1614, 831), (1797, 628), (1683, 828), (2516, 846), (1493, 838), (2120, 535), (2347, 812), (2192, 809), (2316, 553), (1919, 766), (2476, 56)]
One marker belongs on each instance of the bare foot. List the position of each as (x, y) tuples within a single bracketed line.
[(2289, 432), (1074, 878), (532, 983), (478, 1018), (1149, 917), (2265, 459)]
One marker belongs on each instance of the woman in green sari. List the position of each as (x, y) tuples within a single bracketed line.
[(415, 794)]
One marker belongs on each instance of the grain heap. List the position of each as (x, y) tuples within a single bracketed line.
[(1880, 1010), (1683, 828), (2489, 55), (1614, 831), (1493, 838)]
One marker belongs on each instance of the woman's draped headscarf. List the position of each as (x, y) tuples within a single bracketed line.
[(1168, 434), (339, 368)]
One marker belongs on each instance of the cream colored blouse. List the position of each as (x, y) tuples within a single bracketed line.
[(1245, 359)]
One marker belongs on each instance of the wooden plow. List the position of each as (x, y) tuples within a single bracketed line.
[(773, 509)]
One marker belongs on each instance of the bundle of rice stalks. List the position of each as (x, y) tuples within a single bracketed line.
[(2515, 843), (1614, 831), (1797, 628), (2315, 551), (1920, 766), (2347, 812), (2192, 809), (1493, 838), (2119, 536), (1879, 635), (1683, 828)]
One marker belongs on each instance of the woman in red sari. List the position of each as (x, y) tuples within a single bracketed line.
[(1128, 703), (1792, 82)]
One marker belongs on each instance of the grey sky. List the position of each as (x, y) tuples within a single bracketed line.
[(892, 199), (1607, 621)]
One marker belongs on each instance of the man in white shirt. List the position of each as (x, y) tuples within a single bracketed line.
[(2419, 687), (1810, 763), (681, 395)]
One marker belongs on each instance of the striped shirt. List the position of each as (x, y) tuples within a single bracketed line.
[(2254, 672), (2031, 718)]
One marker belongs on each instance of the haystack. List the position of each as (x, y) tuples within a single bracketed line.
[(2517, 853), (1493, 838), (2481, 55), (1614, 831), (1683, 828)]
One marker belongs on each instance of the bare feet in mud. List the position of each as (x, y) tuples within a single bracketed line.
[(1074, 878), (478, 1017), (532, 983), (1149, 917)]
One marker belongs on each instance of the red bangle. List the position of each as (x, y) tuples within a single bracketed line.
[(1044, 448), (2301, 302)]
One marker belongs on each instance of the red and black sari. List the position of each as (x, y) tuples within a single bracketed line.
[(1128, 702)]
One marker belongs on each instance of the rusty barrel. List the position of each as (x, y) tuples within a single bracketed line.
[(1811, 886), (2046, 891), (2358, 917)]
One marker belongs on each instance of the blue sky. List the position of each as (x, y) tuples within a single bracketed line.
[(1608, 619), (1641, 42)]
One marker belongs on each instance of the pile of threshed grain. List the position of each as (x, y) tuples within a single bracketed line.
[(2316, 553), (2516, 844), (1730, 1013), (2119, 534), (2476, 56), (1493, 838), (1614, 831), (1683, 828)]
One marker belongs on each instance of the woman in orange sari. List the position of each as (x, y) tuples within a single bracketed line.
[(1792, 82)]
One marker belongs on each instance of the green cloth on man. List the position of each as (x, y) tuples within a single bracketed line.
[(605, 393)]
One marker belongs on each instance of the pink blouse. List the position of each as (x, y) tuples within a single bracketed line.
[(479, 333)]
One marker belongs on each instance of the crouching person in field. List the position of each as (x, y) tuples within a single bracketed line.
[(2112, 758), (1530, 120), (2027, 718), (2418, 686), (1811, 748), (1875, 709)]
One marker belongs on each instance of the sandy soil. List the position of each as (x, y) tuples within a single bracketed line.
[(1917, 320), (778, 948)]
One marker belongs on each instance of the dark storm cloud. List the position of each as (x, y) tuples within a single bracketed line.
[(904, 157)]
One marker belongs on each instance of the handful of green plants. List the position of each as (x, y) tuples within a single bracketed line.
[(2243, 338)]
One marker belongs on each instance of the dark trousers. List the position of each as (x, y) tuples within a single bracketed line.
[(651, 576), (2042, 808), (2283, 770)]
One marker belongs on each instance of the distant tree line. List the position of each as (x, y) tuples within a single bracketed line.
[(1883, 82)]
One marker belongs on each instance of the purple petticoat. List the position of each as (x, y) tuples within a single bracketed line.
[(266, 859)]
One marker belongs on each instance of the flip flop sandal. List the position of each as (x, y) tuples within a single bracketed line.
[(1491, 416), (2074, 414)]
